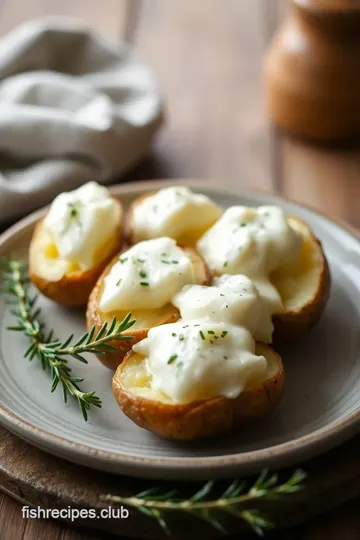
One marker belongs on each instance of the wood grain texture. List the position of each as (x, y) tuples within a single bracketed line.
[(327, 179), (39, 479), (207, 57)]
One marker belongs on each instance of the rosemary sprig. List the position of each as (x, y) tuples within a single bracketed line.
[(157, 503), (51, 352)]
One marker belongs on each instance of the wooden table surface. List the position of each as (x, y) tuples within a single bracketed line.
[(207, 56)]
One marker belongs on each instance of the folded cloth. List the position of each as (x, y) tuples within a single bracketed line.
[(72, 109)]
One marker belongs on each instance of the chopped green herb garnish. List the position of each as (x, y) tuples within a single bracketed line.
[(175, 262), (118, 282), (165, 262), (142, 273), (222, 294), (202, 334), (73, 215), (73, 210), (140, 260), (211, 341), (173, 334), (181, 337), (211, 332), (224, 333), (225, 357), (172, 358), (123, 260), (144, 283), (225, 264)]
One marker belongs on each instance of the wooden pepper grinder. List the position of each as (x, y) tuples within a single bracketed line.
[(312, 70)]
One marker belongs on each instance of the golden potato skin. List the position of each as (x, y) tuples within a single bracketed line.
[(201, 419), (293, 325), (95, 317), (73, 289)]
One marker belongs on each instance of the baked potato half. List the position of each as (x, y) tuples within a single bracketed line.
[(154, 411), (305, 291), (188, 237), (63, 281), (144, 319)]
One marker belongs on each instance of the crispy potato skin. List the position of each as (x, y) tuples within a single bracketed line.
[(201, 419), (72, 289), (95, 317), (293, 325)]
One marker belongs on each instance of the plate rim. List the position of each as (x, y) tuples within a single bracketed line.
[(287, 453)]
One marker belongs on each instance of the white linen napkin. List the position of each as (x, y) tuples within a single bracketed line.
[(72, 109)]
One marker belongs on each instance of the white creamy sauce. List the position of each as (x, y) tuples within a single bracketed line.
[(232, 299), (200, 359), (172, 212), (254, 242), (79, 222), (146, 276)]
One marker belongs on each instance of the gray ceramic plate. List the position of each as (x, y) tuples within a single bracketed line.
[(320, 408)]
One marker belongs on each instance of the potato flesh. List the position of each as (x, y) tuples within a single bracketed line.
[(148, 318), (135, 378), (299, 288), (48, 264)]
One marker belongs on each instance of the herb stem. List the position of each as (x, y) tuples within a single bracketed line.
[(156, 504), (51, 353)]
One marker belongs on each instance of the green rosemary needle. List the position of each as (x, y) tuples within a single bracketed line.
[(158, 504), (51, 352)]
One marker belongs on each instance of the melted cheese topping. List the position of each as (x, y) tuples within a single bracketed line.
[(174, 212), (80, 222), (254, 242), (146, 276), (232, 299), (194, 360)]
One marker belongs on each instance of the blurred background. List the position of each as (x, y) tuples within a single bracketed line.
[(208, 59)]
